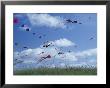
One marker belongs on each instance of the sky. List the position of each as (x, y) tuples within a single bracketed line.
[(77, 41)]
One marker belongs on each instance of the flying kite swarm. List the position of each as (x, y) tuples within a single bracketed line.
[(47, 43)]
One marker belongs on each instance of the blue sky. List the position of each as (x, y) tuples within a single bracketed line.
[(54, 28)]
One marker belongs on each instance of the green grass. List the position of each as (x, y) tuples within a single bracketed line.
[(57, 71)]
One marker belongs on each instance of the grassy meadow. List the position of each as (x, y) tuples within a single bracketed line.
[(57, 71)]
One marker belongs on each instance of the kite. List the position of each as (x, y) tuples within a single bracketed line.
[(15, 20), (16, 44), (75, 21), (91, 38), (43, 58), (33, 33), (69, 21), (60, 53), (25, 47), (25, 27), (40, 37)]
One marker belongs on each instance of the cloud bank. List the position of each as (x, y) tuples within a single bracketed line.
[(46, 20), (63, 42), (32, 56), (86, 53)]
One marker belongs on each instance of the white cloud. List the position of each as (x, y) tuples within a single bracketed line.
[(70, 56), (46, 20), (63, 42), (29, 61), (86, 53), (33, 55)]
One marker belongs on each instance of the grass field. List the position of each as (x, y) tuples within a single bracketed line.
[(57, 71)]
